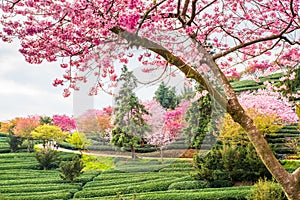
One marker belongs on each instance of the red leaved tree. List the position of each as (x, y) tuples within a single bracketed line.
[(65, 122), (24, 127)]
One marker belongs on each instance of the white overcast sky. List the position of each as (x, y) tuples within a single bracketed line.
[(27, 89)]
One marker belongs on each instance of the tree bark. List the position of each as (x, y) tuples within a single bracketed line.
[(132, 152), (161, 153)]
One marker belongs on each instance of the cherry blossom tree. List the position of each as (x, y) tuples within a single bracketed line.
[(156, 135), (267, 102), (87, 37), (65, 122), (165, 126)]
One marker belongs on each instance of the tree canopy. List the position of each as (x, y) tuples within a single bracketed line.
[(255, 37)]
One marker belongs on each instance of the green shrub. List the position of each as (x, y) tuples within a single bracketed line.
[(229, 163), (266, 190), (47, 158), (14, 142), (71, 169)]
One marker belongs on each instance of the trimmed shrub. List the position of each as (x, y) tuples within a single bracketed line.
[(266, 190)]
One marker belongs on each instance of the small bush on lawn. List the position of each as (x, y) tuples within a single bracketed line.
[(266, 190), (71, 169), (47, 158)]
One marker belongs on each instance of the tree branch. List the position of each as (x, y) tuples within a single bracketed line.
[(184, 10), (193, 14), (188, 70), (147, 13)]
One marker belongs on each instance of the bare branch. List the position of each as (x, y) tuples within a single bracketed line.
[(147, 13), (13, 4), (188, 70), (184, 10), (193, 14), (242, 45)]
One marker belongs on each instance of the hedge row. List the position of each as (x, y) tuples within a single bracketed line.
[(21, 165), (150, 168), (23, 155), (63, 194), (219, 195), (31, 181), (188, 185), (235, 193), (37, 188), (177, 169), (131, 180), (23, 176), (126, 180), (23, 172), (147, 186)]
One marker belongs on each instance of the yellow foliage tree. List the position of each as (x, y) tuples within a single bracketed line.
[(79, 140), (47, 132), (233, 133)]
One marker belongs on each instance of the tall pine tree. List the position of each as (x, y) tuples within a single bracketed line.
[(198, 117), (129, 123), (166, 96)]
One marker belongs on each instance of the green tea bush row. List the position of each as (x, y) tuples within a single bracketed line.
[(188, 185), (19, 166), (7, 161), (217, 195), (38, 196), (24, 176), (120, 185), (119, 181), (23, 172), (37, 188), (110, 176), (179, 169), (151, 168), (43, 193), (32, 181), (244, 83), (146, 187), (22, 155), (130, 184), (2, 151), (235, 193)]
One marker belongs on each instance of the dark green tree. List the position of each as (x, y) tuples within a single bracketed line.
[(48, 158), (197, 117), (226, 164), (46, 120), (14, 142), (129, 123), (71, 169), (166, 96)]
